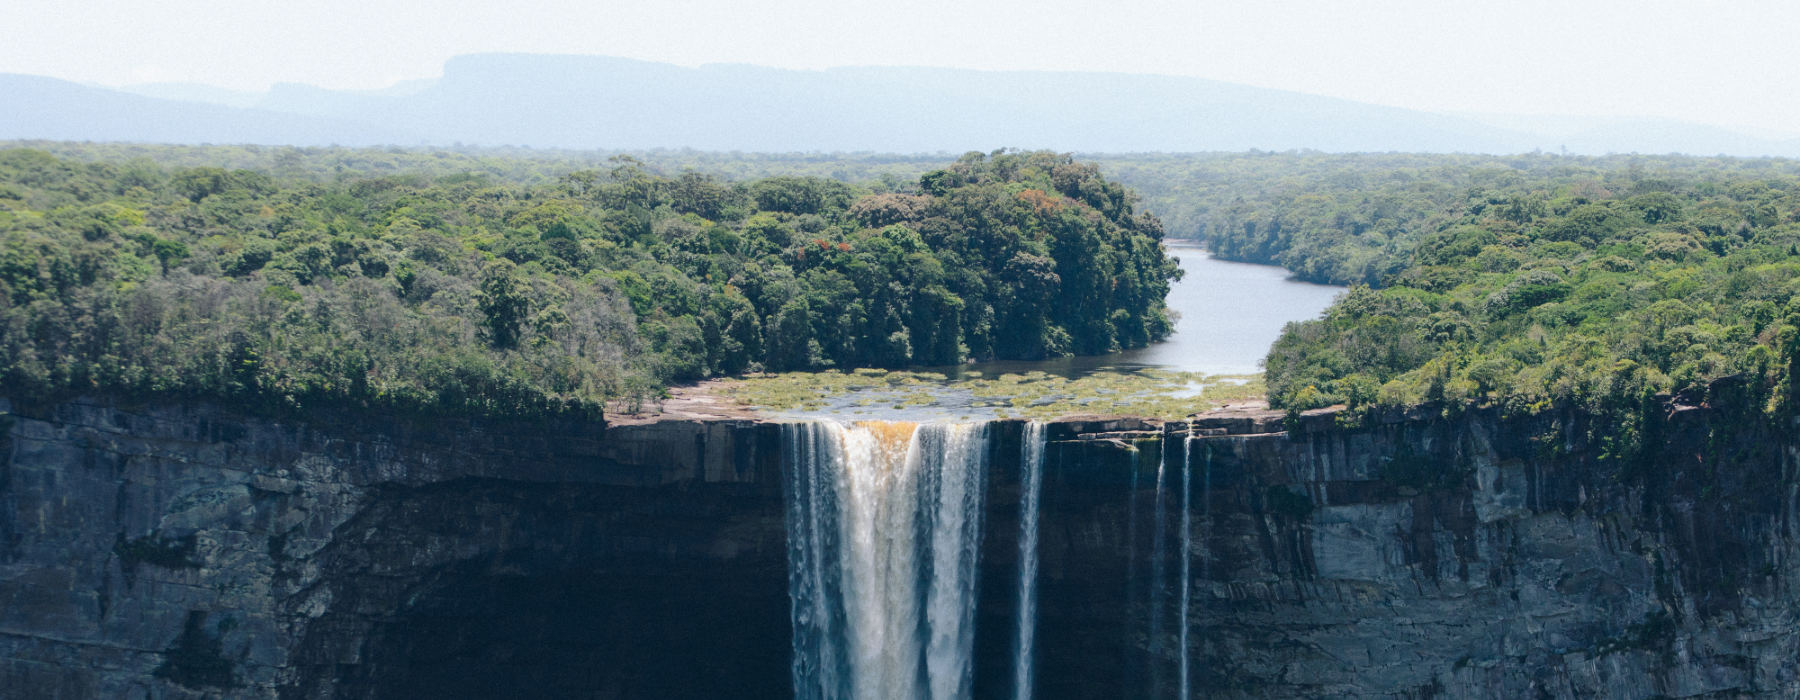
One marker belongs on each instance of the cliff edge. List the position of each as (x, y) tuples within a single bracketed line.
[(187, 550)]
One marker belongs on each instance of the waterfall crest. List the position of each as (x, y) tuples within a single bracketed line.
[(884, 526)]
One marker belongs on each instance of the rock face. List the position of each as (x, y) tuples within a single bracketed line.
[(169, 551), (1423, 557), (191, 551)]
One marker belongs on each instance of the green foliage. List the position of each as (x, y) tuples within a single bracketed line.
[(532, 284), (504, 304), (1036, 395), (1612, 290)]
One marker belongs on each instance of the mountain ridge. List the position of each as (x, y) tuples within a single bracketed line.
[(587, 102)]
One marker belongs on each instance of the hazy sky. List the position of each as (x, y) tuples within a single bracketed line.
[(1718, 62)]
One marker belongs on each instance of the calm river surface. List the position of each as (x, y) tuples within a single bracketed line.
[(1230, 313)]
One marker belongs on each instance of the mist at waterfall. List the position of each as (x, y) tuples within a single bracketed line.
[(884, 527)]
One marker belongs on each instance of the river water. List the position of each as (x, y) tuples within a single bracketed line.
[(1228, 314)]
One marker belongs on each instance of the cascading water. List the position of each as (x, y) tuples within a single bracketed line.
[(1158, 570), (1205, 511), (814, 582), (1031, 479), (884, 524), (884, 527), (1187, 554)]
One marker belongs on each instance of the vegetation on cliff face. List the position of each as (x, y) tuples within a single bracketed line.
[(442, 289), (1540, 285)]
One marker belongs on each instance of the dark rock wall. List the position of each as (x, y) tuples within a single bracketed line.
[(187, 551), (162, 551), (1429, 556)]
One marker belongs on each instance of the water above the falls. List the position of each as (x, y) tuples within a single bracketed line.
[(1227, 316)]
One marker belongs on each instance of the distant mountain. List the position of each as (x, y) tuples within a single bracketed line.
[(196, 92), (47, 108), (586, 102), (613, 103)]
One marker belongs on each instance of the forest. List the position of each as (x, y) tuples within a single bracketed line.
[(436, 282), (1532, 282), (532, 280)]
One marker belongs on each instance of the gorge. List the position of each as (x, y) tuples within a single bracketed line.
[(190, 550)]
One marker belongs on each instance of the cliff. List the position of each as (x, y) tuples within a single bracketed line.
[(167, 550), (1425, 556), (187, 551)]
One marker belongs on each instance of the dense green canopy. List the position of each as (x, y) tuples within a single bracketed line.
[(1546, 281), (494, 289), (504, 281)]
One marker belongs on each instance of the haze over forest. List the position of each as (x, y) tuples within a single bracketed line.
[(567, 101)]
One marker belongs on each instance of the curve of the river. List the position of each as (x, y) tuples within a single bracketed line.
[(1228, 314)]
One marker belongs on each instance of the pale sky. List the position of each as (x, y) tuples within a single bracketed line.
[(1731, 63)]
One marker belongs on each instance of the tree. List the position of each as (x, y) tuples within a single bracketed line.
[(504, 304)]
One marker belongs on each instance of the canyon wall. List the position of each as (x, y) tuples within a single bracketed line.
[(189, 550), (1423, 555)]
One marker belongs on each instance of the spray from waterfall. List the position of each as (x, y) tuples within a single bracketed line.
[(1031, 479), (884, 525)]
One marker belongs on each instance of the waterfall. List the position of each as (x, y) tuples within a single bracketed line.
[(884, 525), (1031, 479), (1158, 569), (953, 458), (1187, 551), (818, 611), (1131, 567), (1205, 554)]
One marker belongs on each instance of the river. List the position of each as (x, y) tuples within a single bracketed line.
[(1228, 314)]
